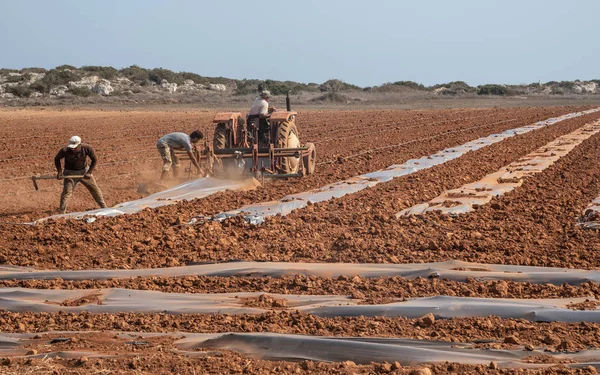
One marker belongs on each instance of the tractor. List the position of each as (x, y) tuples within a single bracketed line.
[(241, 147)]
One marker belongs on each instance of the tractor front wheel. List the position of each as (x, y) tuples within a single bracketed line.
[(310, 160)]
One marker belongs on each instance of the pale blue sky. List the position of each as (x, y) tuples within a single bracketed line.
[(362, 42)]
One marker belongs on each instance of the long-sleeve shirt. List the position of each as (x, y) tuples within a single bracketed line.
[(75, 159), (259, 107)]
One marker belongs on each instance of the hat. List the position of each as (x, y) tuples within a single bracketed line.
[(74, 141), (265, 94)]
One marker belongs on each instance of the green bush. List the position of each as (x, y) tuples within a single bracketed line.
[(14, 79), (106, 72), (254, 86), (39, 86), (158, 74), (5, 71), (456, 86), (136, 74), (81, 91), (410, 84), (194, 77), (63, 67), (55, 77), (22, 91), (566, 85), (32, 70), (335, 85), (248, 86), (492, 90)]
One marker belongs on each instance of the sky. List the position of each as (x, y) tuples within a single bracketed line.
[(361, 42)]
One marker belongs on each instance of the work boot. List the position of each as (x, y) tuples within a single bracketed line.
[(164, 175)]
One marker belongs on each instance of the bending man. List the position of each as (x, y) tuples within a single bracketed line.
[(75, 155), (167, 144)]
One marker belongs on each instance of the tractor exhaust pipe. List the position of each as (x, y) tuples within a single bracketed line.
[(288, 105)]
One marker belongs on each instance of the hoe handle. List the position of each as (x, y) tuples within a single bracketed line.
[(49, 177)]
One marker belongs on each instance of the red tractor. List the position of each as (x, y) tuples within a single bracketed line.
[(240, 147)]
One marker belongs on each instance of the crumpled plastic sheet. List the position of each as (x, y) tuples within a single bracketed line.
[(445, 307), (189, 190), (141, 301), (14, 344), (290, 347), (451, 270), (466, 198), (256, 213)]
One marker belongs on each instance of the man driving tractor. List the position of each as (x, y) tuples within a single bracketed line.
[(260, 110)]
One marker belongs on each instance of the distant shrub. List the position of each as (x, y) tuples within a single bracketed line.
[(32, 70), (5, 71), (283, 87), (492, 90), (81, 91), (410, 84), (455, 88), (158, 74), (106, 72), (22, 91), (254, 86), (194, 77), (39, 86), (562, 84), (335, 85), (65, 66), (399, 87), (55, 77), (566, 85), (248, 86), (136, 74), (14, 79)]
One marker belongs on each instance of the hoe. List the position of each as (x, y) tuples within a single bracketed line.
[(48, 177)]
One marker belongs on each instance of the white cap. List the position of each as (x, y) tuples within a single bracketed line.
[(74, 141)]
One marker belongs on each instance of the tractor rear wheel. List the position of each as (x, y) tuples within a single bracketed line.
[(225, 168), (220, 138), (287, 137)]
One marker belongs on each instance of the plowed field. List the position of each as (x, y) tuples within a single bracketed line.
[(537, 224)]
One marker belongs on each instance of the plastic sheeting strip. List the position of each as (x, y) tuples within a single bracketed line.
[(291, 347), (451, 269), (190, 190), (288, 347), (466, 198), (141, 301), (256, 213)]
